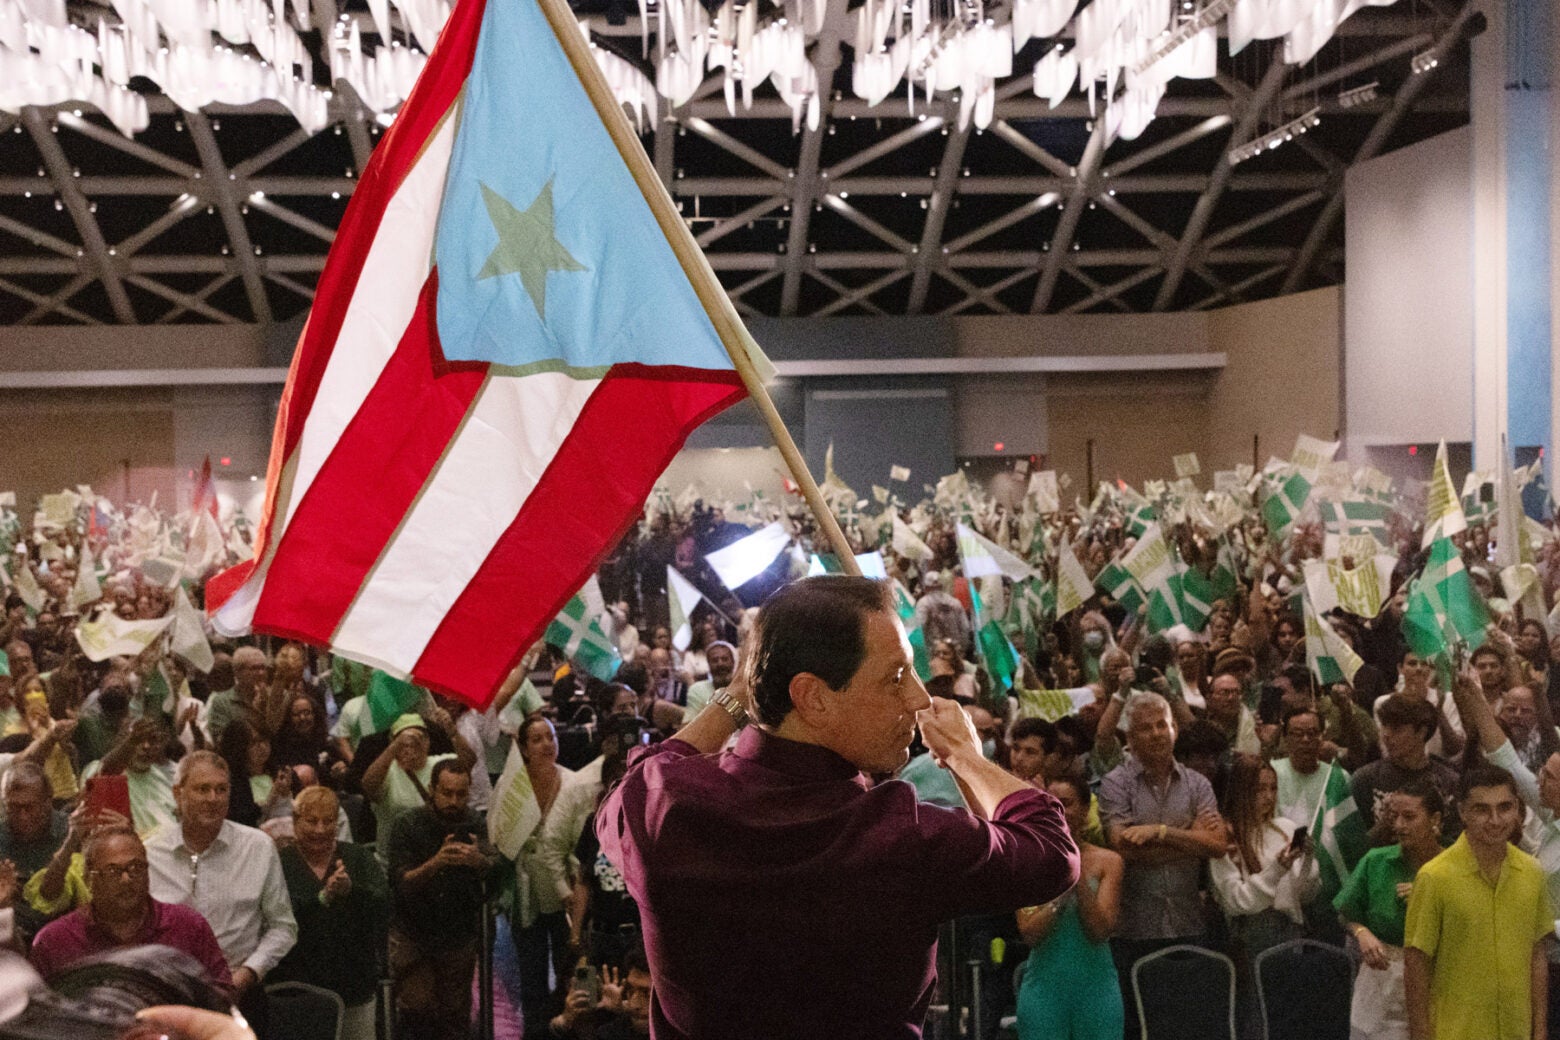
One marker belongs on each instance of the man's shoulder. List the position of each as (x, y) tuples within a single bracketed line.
[(245, 837), (68, 928)]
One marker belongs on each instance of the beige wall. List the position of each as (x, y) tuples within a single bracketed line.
[(1137, 422), (1282, 378), (120, 444)]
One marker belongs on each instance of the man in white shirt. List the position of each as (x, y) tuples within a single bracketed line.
[(231, 874)]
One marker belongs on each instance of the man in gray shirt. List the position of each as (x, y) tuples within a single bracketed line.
[(1163, 820)]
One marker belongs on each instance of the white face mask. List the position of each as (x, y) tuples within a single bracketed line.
[(1094, 641)]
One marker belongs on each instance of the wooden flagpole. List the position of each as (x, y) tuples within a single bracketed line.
[(728, 324)]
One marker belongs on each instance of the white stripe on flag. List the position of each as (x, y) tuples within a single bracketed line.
[(521, 423), (382, 306)]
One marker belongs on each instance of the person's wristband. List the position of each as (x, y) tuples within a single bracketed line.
[(1161, 833), (730, 706)]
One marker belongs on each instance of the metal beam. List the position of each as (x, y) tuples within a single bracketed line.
[(1007, 220), (297, 220), (1402, 103), (930, 249), (994, 288), (220, 185), (1110, 292), (1067, 226), (752, 156), (860, 293), (55, 300), (43, 305), (808, 180), (841, 290), (1250, 224), (1095, 287), (867, 224), (975, 292), (1175, 143), (892, 143), (291, 284), (1004, 130), (184, 301), (180, 209), (1234, 291), (69, 192), (1363, 63), (721, 228), (120, 143), (1254, 107), (205, 293)]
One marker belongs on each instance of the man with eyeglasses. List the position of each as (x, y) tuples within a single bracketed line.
[(228, 872), (123, 913)]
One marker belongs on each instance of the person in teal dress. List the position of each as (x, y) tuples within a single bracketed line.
[(1070, 990)]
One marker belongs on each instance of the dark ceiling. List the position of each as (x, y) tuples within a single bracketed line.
[(226, 215)]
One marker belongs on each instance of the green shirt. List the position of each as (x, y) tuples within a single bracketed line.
[(1480, 940), (1370, 895)]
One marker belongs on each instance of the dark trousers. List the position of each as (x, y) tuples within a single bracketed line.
[(544, 945), (255, 1006)]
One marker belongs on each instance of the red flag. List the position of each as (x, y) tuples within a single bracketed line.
[(205, 491)]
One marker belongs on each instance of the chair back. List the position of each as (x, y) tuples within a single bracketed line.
[(300, 1011), (1185, 993), (1305, 989)]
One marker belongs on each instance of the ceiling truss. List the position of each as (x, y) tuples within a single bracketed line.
[(859, 215)]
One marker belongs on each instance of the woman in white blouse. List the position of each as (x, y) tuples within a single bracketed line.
[(1264, 882)]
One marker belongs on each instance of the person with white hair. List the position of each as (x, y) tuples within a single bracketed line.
[(1164, 821)]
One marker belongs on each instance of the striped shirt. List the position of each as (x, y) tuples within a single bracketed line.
[(237, 885)]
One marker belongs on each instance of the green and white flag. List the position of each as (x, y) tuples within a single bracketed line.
[(1444, 609), (109, 635), (681, 598), (1338, 832), (1356, 590), (1284, 503), (578, 632), (1443, 511), (1153, 564), (904, 606), (983, 558), (1352, 517), (1138, 519), (1225, 576), (1514, 551), (996, 651), (1073, 587), (26, 585), (1117, 582), (1327, 654), (1032, 605), (1197, 598)]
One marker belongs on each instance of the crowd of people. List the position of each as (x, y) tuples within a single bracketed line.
[(256, 805)]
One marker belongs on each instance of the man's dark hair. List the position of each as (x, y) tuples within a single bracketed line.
[(635, 676), (1078, 736), (1487, 775), (1488, 650), (816, 626), (1200, 738), (1295, 710), (13, 601), (1428, 794), (1398, 710), (1023, 729), (446, 765), (634, 959)]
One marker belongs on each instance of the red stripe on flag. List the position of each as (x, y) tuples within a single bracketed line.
[(436, 89), (591, 492), (368, 484)]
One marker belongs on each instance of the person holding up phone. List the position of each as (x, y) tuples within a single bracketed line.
[(1269, 875)]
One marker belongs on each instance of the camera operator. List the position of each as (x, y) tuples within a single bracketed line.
[(440, 862)]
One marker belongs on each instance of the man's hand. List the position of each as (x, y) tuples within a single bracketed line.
[(575, 1007), (60, 731), (195, 1024), (188, 716), (441, 718), (611, 989), (244, 979), (947, 730), (1139, 835)]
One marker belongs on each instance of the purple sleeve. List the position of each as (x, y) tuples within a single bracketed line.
[(621, 821), (43, 949), (1022, 856)]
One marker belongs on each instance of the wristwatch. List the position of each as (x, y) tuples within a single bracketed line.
[(731, 706)]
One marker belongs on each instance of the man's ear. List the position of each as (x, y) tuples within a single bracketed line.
[(811, 698)]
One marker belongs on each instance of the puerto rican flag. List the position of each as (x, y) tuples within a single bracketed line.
[(503, 355)]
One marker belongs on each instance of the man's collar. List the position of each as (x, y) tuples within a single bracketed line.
[(220, 841), (1137, 769), (793, 757)]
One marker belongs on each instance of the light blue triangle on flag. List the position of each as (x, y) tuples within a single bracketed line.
[(582, 277)]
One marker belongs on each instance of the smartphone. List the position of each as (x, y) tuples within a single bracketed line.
[(109, 792), (1297, 843), (585, 978), (1143, 677)]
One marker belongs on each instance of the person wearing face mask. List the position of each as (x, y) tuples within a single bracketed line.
[(1094, 637)]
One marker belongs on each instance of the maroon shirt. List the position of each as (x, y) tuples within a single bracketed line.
[(76, 936), (783, 896)]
